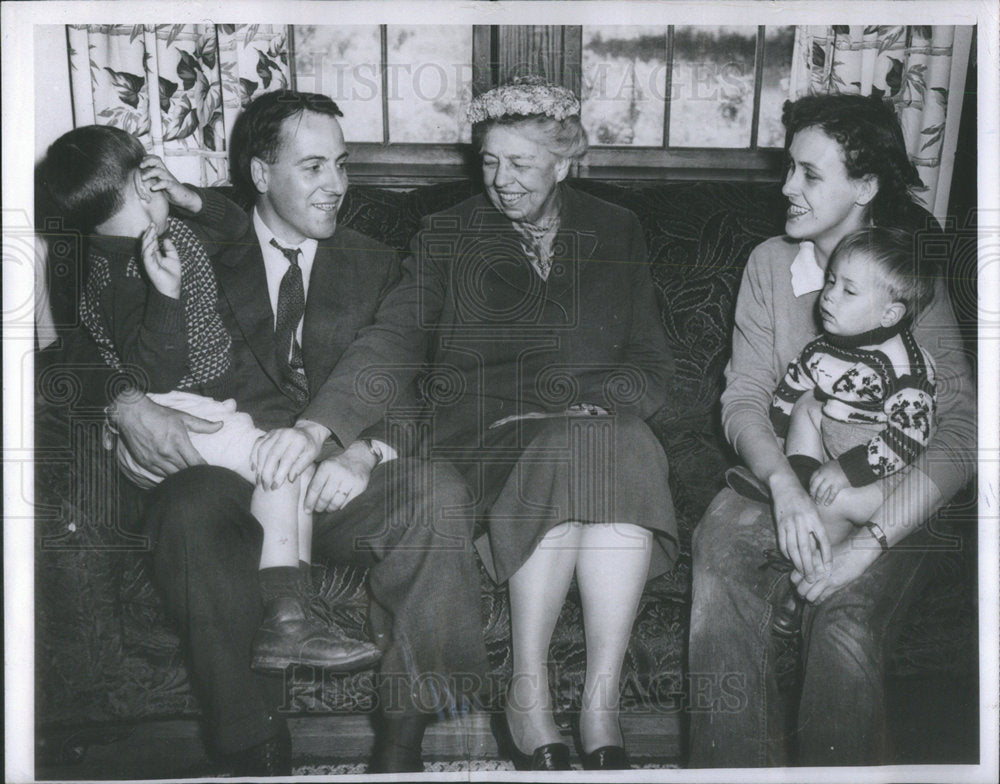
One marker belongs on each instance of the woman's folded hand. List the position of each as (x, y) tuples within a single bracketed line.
[(848, 563), (801, 535)]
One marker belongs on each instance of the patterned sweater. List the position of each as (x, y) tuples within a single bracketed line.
[(882, 377), (170, 343)]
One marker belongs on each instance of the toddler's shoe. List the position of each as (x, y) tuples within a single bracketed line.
[(787, 620)]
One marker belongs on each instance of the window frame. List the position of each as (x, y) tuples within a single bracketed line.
[(401, 164)]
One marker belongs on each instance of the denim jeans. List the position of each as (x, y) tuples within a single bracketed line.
[(736, 713)]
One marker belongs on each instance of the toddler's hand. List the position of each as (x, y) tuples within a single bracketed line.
[(162, 266), (157, 176), (826, 482)]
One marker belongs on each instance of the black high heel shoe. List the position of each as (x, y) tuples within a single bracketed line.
[(603, 758), (551, 756), (606, 758)]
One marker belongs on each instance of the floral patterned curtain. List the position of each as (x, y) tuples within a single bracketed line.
[(204, 75), (920, 68)]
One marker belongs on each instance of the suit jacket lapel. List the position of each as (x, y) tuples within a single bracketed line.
[(243, 283), (323, 309)]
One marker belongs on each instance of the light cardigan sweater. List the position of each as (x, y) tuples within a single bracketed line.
[(773, 326)]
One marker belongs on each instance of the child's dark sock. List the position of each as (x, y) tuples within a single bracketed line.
[(278, 581), (804, 466)]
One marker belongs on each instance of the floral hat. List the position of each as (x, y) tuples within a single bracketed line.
[(526, 95)]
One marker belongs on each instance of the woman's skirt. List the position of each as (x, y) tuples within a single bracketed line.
[(530, 475)]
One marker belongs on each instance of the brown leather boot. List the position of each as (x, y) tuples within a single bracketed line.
[(290, 634)]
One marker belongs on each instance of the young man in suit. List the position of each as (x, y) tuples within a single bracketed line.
[(293, 294)]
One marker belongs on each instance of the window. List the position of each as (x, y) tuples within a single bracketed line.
[(685, 96), (677, 98)]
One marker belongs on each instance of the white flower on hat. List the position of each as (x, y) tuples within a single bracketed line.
[(526, 95)]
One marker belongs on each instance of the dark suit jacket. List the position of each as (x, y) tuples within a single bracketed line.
[(500, 340), (350, 275)]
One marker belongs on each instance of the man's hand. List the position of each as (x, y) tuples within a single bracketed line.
[(162, 266), (157, 436), (281, 455), (826, 482), (340, 479), (851, 559), (157, 176), (800, 532)]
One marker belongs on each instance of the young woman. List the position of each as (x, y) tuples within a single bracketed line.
[(847, 169)]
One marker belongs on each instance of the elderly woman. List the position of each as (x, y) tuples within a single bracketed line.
[(847, 169), (534, 305)]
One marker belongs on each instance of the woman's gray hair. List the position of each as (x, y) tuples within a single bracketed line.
[(565, 138)]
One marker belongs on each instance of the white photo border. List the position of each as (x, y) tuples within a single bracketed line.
[(18, 21)]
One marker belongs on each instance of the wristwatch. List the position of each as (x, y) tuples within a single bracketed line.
[(876, 531), (376, 452)]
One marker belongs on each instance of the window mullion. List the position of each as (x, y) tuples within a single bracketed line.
[(383, 31), (669, 88), (291, 55), (758, 84)]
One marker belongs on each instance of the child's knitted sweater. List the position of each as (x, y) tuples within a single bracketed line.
[(879, 377)]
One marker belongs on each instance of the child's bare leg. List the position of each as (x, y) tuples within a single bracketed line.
[(278, 512), (305, 518), (287, 523), (853, 506), (805, 435), (290, 631), (804, 444)]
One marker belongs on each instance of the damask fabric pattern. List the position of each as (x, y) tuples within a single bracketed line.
[(205, 74), (106, 651)]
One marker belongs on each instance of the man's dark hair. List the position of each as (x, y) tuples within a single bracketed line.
[(257, 131), (868, 132), (86, 170), (891, 250)]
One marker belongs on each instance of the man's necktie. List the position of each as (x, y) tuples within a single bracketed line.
[(291, 307)]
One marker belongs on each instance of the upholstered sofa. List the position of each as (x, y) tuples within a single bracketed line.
[(107, 656)]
